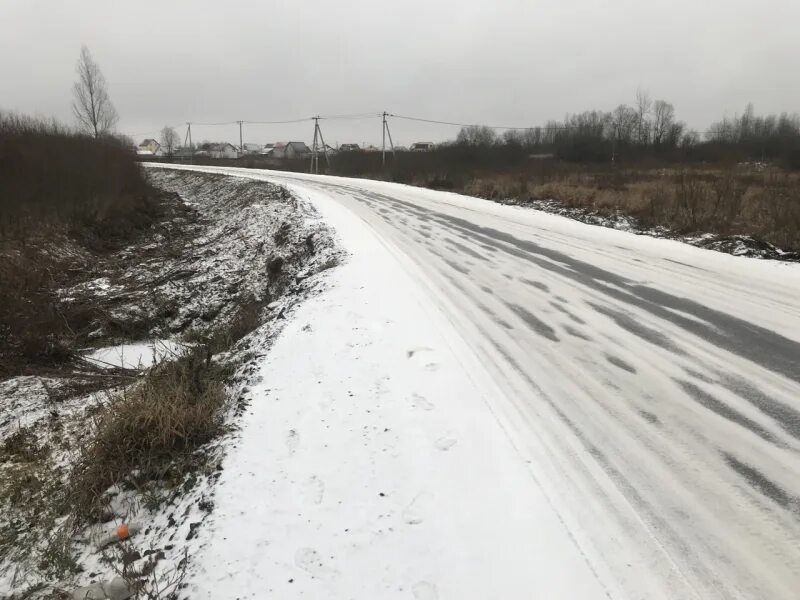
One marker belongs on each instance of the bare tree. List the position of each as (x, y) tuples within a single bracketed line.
[(92, 107), (513, 137), (690, 139), (624, 120), (643, 105), (663, 121), (675, 134), (747, 123), (169, 140), (476, 135)]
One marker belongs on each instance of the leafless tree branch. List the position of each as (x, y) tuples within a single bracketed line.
[(91, 105)]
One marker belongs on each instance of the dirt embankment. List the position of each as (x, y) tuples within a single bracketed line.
[(125, 424)]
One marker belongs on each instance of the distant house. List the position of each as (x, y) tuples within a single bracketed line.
[(289, 150), (349, 148), (251, 149), (422, 146), (217, 150), (148, 147)]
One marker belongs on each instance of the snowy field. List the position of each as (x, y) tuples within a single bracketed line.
[(493, 402)]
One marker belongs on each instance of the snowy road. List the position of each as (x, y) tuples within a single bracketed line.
[(586, 413)]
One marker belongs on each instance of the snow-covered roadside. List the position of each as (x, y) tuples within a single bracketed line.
[(370, 464), (736, 245), (250, 250)]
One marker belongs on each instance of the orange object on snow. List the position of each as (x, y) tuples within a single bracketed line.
[(120, 533)]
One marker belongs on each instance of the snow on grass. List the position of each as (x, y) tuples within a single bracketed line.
[(195, 278)]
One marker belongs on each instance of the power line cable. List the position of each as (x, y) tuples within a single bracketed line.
[(214, 124), (354, 116), (506, 127), (278, 122)]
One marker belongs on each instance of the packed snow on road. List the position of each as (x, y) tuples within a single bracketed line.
[(493, 402)]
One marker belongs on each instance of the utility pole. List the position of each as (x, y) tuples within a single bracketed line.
[(241, 145), (315, 148), (189, 138), (314, 161), (391, 144)]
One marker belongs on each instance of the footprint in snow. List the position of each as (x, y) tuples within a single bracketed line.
[(416, 512), (445, 443), (421, 402), (292, 441), (314, 490), (413, 351), (424, 590), (311, 562)]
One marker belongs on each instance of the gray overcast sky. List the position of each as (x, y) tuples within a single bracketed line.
[(505, 62)]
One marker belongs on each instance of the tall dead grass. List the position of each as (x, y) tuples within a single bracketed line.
[(725, 201), (150, 431)]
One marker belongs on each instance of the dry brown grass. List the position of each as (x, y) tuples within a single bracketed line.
[(150, 431), (726, 201)]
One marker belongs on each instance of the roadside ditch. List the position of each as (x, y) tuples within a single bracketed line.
[(108, 461)]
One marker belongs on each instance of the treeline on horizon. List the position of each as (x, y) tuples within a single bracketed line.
[(648, 129)]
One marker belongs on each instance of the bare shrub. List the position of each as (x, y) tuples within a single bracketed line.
[(52, 179), (31, 329), (58, 188)]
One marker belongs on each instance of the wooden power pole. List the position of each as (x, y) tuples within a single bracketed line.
[(318, 140), (391, 144), (188, 138)]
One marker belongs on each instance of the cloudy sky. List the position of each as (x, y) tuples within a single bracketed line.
[(501, 62)]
